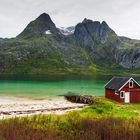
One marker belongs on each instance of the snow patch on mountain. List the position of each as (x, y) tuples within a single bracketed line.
[(48, 32), (67, 31)]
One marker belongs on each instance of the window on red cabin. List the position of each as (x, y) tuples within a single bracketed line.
[(131, 84), (122, 94)]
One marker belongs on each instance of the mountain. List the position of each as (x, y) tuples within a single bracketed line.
[(39, 26), (90, 46)]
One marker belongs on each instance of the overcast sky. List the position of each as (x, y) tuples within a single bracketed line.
[(123, 16)]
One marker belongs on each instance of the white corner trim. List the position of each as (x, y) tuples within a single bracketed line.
[(116, 93)]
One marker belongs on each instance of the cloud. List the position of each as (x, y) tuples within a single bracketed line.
[(121, 15)]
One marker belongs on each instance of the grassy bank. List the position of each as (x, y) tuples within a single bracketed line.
[(54, 69), (104, 121)]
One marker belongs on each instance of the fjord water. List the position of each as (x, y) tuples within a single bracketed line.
[(52, 86)]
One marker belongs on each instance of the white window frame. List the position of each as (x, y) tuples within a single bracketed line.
[(116, 93), (130, 84), (121, 94)]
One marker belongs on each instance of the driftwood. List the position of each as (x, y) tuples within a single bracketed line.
[(27, 112), (85, 99)]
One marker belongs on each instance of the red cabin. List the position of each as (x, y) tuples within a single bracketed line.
[(123, 90)]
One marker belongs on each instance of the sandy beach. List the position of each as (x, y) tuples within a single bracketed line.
[(16, 106)]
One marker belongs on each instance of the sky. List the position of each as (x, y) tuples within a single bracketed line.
[(123, 16)]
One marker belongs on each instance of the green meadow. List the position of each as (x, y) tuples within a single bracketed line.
[(106, 120)]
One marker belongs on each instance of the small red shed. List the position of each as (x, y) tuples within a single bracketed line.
[(123, 90)]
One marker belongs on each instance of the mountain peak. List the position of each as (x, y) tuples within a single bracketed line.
[(86, 20), (104, 24), (94, 32), (39, 26), (44, 16)]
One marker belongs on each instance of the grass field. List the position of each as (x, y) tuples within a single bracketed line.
[(106, 120)]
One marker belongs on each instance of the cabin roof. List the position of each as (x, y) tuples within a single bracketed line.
[(117, 83)]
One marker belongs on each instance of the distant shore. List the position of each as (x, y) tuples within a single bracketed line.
[(16, 106)]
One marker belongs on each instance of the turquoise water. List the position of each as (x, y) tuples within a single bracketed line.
[(47, 87)]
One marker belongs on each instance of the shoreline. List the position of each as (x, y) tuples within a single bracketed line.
[(11, 107)]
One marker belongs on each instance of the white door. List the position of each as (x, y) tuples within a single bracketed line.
[(127, 97)]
